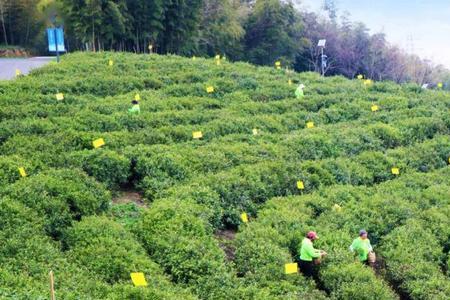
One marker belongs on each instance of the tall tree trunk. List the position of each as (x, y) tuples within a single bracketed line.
[(93, 36), (2, 16)]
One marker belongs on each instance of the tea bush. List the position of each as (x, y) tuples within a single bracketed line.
[(61, 216)]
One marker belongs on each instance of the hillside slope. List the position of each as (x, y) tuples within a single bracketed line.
[(257, 142)]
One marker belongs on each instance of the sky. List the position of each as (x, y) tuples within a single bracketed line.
[(418, 26)]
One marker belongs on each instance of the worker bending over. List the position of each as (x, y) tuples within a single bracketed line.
[(309, 256), (361, 245)]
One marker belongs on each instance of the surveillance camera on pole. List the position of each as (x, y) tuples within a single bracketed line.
[(324, 58)]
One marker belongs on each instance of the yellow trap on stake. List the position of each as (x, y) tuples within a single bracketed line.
[(197, 134), (98, 143), (60, 96), (290, 268), (244, 217), (22, 172), (138, 279)]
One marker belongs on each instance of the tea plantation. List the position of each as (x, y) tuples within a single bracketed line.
[(258, 145)]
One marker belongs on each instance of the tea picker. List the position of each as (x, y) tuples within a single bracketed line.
[(309, 256), (135, 109), (299, 92), (361, 245)]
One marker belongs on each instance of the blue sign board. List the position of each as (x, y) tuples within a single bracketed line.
[(55, 35)]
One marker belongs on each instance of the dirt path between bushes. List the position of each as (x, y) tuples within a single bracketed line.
[(129, 196), (226, 239)]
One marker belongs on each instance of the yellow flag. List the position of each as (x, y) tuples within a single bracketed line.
[(255, 131), (137, 97), (395, 171), (440, 85), (18, 72), (244, 217), (197, 134), (59, 96), (110, 63), (374, 108), (300, 185), (138, 279), (98, 143), (290, 268), (277, 63), (310, 125), (22, 172), (360, 77), (210, 89)]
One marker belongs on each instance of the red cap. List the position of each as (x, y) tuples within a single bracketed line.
[(312, 235)]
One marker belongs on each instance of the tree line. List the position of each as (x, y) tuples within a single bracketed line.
[(257, 31)]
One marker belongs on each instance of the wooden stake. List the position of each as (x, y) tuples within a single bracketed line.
[(52, 286)]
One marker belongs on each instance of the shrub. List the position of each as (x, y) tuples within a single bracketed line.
[(106, 166), (61, 195)]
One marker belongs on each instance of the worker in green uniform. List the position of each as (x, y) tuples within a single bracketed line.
[(361, 245), (308, 255), (299, 91), (135, 109)]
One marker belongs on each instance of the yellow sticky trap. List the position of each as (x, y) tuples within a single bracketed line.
[(194, 58), (22, 172), (18, 72), (360, 77), (59, 96), (98, 143), (290, 82), (395, 171), (137, 97), (337, 207), (197, 134), (210, 89), (255, 131), (310, 125), (110, 63), (138, 279), (440, 85), (374, 108), (300, 185), (368, 82), (218, 62), (244, 217), (290, 268)]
